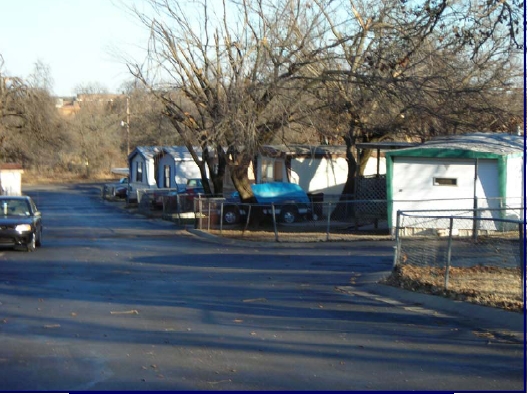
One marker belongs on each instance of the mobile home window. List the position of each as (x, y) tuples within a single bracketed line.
[(277, 171), (166, 176), (139, 172), (445, 181), (272, 171)]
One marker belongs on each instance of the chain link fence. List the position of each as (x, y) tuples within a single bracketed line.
[(330, 220), (476, 252)]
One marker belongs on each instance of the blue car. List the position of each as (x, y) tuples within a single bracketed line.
[(290, 201)]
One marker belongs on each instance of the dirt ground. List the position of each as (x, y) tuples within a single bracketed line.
[(483, 285)]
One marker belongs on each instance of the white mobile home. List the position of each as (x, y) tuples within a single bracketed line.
[(482, 170), (141, 167), (317, 169), (174, 166), (155, 167)]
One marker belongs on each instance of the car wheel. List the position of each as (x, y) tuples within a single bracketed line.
[(38, 241), (32, 244), (288, 215), (231, 216)]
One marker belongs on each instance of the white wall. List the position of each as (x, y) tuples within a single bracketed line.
[(148, 172), (185, 169), (372, 166), (514, 181), (11, 182), (320, 175), (413, 186), (515, 174)]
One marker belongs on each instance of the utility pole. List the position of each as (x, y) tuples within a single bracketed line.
[(128, 124)]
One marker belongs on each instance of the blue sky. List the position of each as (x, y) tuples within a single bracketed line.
[(82, 41)]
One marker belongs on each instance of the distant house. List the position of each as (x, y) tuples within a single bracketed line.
[(457, 172), (11, 179)]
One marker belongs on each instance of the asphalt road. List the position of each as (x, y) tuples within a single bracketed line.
[(114, 301)]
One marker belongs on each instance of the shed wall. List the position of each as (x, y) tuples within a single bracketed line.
[(417, 184)]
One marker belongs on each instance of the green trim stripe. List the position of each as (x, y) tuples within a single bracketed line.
[(448, 153), (389, 163)]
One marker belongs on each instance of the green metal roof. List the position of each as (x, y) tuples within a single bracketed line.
[(474, 145)]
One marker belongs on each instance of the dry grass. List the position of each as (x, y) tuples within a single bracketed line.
[(295, 235), (43, 178), (483, 285)]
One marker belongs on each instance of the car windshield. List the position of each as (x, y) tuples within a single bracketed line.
[(16, 207)]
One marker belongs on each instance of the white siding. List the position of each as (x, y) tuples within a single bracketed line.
[(372, 166), (11, 182), (413, 183), (515, 174), (166, 160), (487, 190), (514, 181), (320, 175), (148, 173), (184, 170), (413, 180)]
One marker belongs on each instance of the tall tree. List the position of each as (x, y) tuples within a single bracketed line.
[(409, 68), (30, 132), (228, 77)]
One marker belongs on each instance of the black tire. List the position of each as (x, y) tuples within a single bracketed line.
[(230, 215), (38, 241), (32, 244), (289, 214)]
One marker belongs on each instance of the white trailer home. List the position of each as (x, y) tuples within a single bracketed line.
[(142, 168), (174, 165), (156, 167), (317, 169), (458, 172)]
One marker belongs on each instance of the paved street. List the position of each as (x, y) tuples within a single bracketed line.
[(114, 301)]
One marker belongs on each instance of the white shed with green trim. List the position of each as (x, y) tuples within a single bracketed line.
[(457, 172)]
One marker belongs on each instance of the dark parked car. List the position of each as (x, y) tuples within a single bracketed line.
[(290, 201), (20, 223), (194, 186), (121, 190)]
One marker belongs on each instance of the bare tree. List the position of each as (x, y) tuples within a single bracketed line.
[(229, 77), (91, 88), (412, 69), (30, 132)]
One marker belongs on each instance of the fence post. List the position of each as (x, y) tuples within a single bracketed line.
[(449, 246), (476, 216), (274, 222), (221, 216), (397, 250), (199, 218), (248, 217), (208, 214), (328, 221), (521, 257)]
